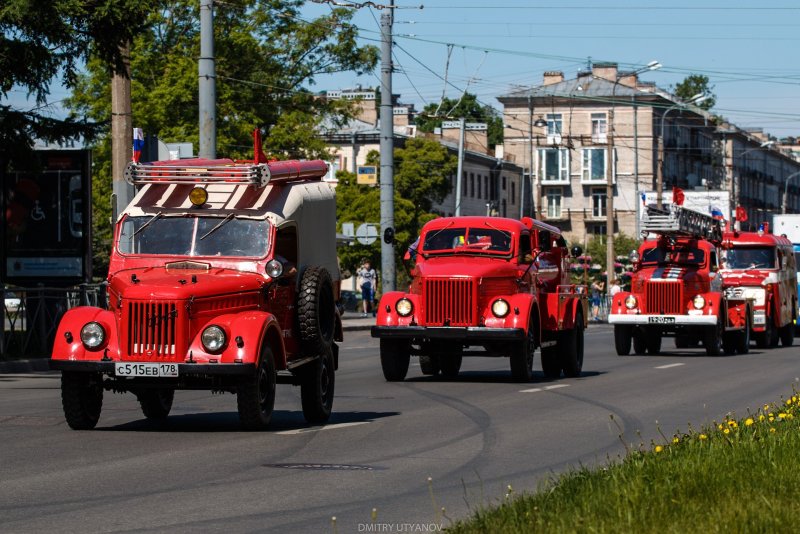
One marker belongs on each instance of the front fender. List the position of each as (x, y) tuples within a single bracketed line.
[(245, 335), (521, 306), (387, 314), (68, 345)]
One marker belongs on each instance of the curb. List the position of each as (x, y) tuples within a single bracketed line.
[(32, 365)]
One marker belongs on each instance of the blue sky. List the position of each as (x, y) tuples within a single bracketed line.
[(748, 49)]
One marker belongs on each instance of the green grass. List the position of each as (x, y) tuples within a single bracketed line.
[(746, 480)]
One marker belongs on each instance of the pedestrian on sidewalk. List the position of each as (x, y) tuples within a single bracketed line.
[(597, 290), (367, 280)]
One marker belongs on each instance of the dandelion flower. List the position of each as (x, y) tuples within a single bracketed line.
[(766, 407), (659, 448), (726, 431), (771, 419), (782, 415), (749, 421), (772, 430), (719, 427), (788, 402), (676, 439), (702, 436), (761, 417)]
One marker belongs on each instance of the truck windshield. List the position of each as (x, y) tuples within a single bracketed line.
[(749, 258), (194, 236), (467, 240), (684, 256)]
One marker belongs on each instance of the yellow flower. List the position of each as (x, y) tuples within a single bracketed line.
[(675, 439), (726, 431), (789, 416), (766, 407), (772, 430), (703, 436), (719, 427), (732, 424), (761, 417), (748, 421), (794, 398), (782, 415), (788, 402), (771, 419), (659, 448)]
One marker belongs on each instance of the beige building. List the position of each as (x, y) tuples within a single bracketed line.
[(560, 130)]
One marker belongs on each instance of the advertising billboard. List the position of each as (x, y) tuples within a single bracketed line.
[(46, 227)]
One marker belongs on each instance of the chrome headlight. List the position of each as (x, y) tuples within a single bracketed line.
[(404, 307), (631, 302), (274, 268), (93, 335), (698, 302), (500, 308), (213, 338)]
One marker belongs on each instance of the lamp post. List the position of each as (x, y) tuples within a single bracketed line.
[(696, 99), (786, 191)]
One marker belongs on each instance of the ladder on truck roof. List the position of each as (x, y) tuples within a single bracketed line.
[(675, 220)]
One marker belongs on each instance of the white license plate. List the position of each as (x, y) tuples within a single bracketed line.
[(661, 320), (146, 369)]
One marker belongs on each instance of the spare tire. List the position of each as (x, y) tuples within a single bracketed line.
[(316, 311)]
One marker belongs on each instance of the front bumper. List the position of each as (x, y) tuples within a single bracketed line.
[(184, 369), (679, 320), (450, 333)]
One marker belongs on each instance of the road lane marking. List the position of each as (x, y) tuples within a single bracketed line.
[(535, 390), (669, 365), (321, 428)]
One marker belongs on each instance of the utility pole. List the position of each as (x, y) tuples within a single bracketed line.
[(121, 133), (610, 274), (387, 152), (530, 159), (460, 171), (207, 96)]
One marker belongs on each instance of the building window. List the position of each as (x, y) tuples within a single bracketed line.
[(555, 165), (464, 184), (599, 127), (504, 183), (513, 192), (598, 202), (554, 195), (594, 165), (486, 187), (554, 124), (504, 208), (472, 185)]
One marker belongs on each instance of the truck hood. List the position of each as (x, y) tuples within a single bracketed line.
[(749, 277), (471, 266), (161, 283)]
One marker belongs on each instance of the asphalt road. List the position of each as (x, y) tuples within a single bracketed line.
[(473, 437)]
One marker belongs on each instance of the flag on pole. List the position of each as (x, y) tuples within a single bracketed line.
[(677, 196), (138, 144), (741, 214), (716, 212), (644, 199)]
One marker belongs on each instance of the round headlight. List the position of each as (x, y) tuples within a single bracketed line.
[(198, 196), (404, 307), (213, 338), (630, 302), (500, 308), (93, 335), (274, 268), (698, 302)]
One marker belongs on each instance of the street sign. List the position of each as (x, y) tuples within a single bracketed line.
[(367, 233), (367, 175)]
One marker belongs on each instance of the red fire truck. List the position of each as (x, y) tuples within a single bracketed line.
[(676, 289), (761, 266), (222, 277), (498, 286)]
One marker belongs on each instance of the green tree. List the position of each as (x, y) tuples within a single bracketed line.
[(266, 56), (696, 84), (42, 42), (596, 248), (468, 107), (422, 171)]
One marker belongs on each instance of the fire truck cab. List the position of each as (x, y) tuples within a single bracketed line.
[(222, 277), (485, 286), (761, 267), (676, 289)]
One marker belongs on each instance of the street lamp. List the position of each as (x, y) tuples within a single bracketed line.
[(696, 99), (786, 191)]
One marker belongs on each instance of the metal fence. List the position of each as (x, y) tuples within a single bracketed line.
[(30, 316)]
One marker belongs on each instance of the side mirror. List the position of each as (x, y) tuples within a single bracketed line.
[(576, 251)]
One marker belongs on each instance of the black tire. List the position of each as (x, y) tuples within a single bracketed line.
[(639, 342), (450, 365), (729, 342), (316, 311), (653, 343), (551, 363), (82, 399), (429, 364), (521, 359), (395, 357), (255, 395), (317, 383), (712, 337), (787, 334), (156, 403), (572, 349), (622, 339), (743, 337)]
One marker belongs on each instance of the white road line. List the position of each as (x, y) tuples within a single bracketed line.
[(669, 365), (321, 428), (536, 390)]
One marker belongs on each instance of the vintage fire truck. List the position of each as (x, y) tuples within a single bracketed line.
[(676, 289), (498, 286), (761, 266), (222, 277)]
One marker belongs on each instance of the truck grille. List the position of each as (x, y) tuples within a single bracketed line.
[(664, 297), (152, 329), (450, 302)]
